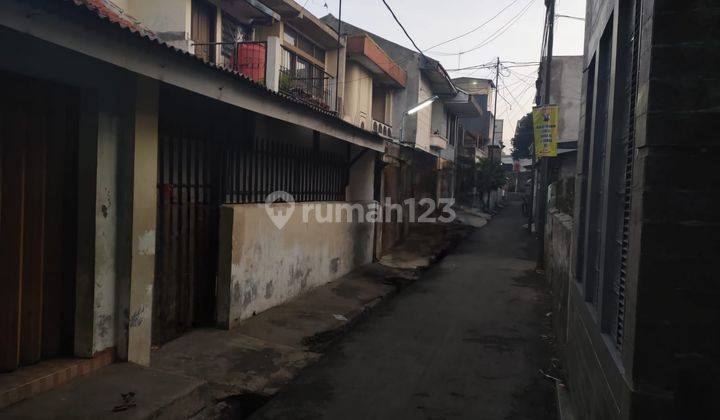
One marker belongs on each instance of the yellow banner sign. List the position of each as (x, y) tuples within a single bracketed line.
[(545, 122)]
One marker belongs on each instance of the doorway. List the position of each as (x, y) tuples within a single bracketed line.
[(38, 219)]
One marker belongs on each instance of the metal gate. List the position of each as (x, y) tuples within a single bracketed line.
[(209, 155), (188, 206)]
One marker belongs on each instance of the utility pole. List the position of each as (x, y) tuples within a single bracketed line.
[(492, 143), (497, 81), (545, 160), (337, 62)]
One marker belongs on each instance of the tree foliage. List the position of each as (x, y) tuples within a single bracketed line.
[(490, 175), (523, 137)]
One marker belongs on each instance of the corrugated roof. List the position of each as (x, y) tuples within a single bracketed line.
[(101, 9)]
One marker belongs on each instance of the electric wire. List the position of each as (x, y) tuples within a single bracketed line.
[(402, 27), (475, 28)]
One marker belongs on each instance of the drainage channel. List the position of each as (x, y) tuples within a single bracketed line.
[(242, 406)]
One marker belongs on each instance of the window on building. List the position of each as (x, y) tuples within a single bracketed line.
[(232, 32), (379, 99), (597, 194), (294, 38), (300, 76), (202, 29)]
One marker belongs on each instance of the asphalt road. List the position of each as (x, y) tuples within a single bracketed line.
[(463, 342)]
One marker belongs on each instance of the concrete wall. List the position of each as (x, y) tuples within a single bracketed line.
[(423, 117), (262, 266), (667, 366), (169, 19), (565, 89), (144, 215), (559, 236), (358, 96), (362, 177)]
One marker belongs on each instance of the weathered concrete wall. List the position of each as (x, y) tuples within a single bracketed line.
[(565, 90), (169, 19), (362, 178), (261, 266), (423, 117), (358, 96), (558, 266), (113, 128), (144, 215)]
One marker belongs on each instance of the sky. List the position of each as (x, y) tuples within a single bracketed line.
[(515, 35)]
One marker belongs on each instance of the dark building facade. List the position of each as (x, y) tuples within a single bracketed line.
[(641, 327)]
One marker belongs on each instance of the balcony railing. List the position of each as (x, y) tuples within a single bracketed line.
[(382, 128), (248, 58), (315, 90), (438, 142)]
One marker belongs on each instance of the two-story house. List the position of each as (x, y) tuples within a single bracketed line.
[(138, 138), (432, 133), (477, 136)]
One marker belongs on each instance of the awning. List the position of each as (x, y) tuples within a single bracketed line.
[(362, 49)]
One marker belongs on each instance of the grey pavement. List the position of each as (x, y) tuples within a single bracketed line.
[(465, 341)]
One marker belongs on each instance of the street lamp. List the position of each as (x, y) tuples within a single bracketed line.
[(413, 110)]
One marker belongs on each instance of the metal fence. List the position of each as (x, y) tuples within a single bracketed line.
[(312, 85), (254, 171)]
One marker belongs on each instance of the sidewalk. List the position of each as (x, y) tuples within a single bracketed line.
[(208, 372)]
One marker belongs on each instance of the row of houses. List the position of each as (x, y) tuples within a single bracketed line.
[(138, 137)]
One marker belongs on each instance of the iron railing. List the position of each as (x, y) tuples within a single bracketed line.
[(315, 88), (248, 57)]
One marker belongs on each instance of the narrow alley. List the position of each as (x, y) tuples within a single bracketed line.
[(391, 209), (467, 340)]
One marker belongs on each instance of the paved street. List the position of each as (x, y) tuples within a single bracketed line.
[(462, 342)]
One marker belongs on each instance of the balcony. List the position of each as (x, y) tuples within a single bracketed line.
[(382, 129), (313, 87), (438, 142), (249, 59)]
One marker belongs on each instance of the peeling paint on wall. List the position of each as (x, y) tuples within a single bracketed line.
[(136, 319), (146, 243), (271, 266)]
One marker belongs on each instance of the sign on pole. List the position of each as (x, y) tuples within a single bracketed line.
[(545, 123)]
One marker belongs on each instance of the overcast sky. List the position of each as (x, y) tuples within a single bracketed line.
[(430, 22)]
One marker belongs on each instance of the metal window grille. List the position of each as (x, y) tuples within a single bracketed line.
[(627, 198), (254, 171)]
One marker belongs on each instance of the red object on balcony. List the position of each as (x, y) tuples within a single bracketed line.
[(250, 60)]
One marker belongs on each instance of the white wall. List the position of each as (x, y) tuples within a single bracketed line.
[(565, 89), (261, 266), (169, 19), (424, 117), (358, 96)]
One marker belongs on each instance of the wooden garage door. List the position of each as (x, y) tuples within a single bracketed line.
[(38, 144)]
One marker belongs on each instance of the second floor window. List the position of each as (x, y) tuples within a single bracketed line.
[(296, 39)]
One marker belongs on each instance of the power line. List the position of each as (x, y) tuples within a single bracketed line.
[(569, 17), (501, 30), (514, 64), (475, 28), (402, 27)]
